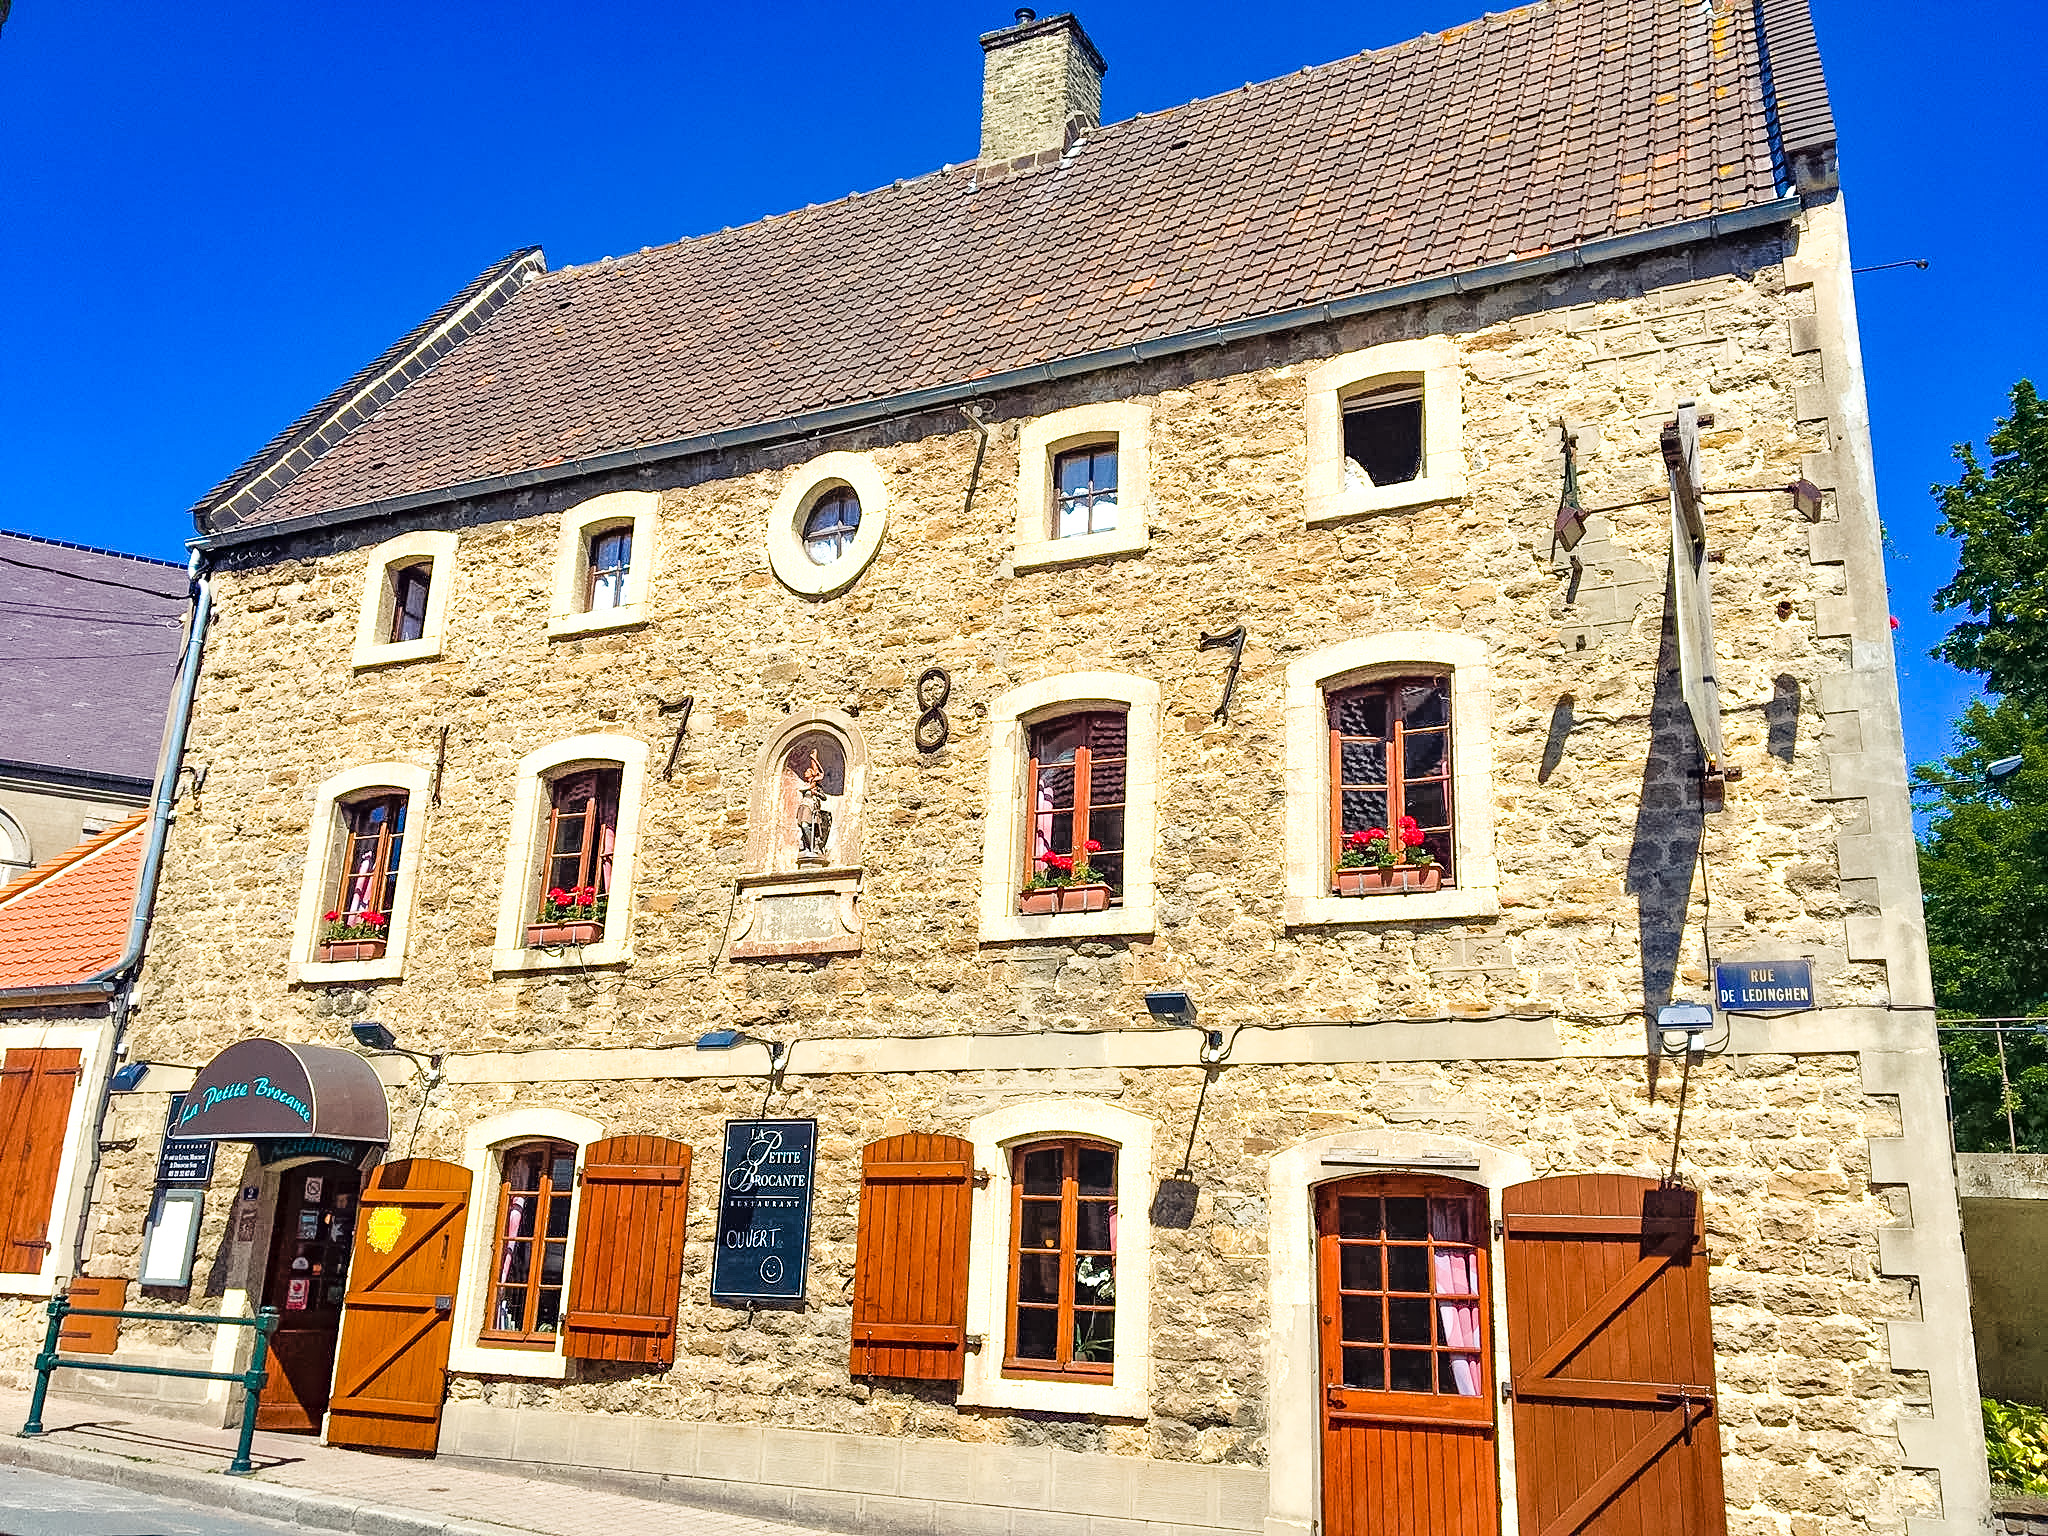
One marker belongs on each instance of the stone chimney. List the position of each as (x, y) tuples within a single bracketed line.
[(1041, 86)]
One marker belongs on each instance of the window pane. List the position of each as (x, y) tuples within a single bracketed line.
[(1359, 1267), (1365, 1368), (508, 1315), (1364, 808), (1362, 762), (1038, 1277), (1407, 1218), (558, 1215), (1091, 1225), (1039, 1224), (1422, 754), (1457, 1375), (1427, 803), (1410, 1370), (1038, 1333), (1072, 470), (1043, 1170), (1056, 740), (562, 1172), (1407, 1268), (522, 1172), (1408, 1320), (1106, 826), (547, 1314), (1360, 714), (551, 1263), (1385, 440), (1095, 1336), (515, 1263), (1425, 704), (1094, 1280), (1362, 1319), (1358, 1218), (1450, 1221), (1097, 1173)]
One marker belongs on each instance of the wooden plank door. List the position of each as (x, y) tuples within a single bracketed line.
[(628, 1268), (1612, 1348), (910, 1267), (310, 1245), (35, 1107), (1407, 1360), (392, 1370)]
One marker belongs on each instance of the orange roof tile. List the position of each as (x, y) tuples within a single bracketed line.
[(67, 919)]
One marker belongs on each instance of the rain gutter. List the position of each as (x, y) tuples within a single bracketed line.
[(840, 418)]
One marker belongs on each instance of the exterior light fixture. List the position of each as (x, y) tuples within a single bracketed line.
[(127, 1076), (2003, 769), (1571, 511), (1686, 1021), (1997, 773), (1805, 499), (1178, 1009), (726, 1039), (372, 1036)]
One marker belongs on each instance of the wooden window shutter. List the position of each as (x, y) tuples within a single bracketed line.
[(35, 1106), (627, 1271), (1616, 1432), (910, 1272)]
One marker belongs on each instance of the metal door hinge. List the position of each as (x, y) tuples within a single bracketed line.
[(1500, 1229), (1507, 1391), (975, 1342), (981, 1178)]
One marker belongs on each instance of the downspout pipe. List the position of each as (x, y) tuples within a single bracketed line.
[(117, 981)]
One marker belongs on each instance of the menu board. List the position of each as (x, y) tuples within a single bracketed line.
[(764, 1210), (184, 1159)]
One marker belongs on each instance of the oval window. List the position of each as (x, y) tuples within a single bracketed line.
[(830, 527)]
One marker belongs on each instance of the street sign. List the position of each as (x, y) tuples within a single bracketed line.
[(764, 1210), (1763, 986)]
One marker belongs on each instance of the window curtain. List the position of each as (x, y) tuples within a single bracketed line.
[(1457, 1275)]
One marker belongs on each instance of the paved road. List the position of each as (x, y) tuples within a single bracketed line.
[(38, 1504)]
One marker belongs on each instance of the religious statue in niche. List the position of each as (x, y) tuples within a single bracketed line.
[(813, 821)]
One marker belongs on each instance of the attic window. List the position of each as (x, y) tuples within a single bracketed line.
[(1383, 436)]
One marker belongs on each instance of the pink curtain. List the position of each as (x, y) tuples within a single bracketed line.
[(1456, 1273)]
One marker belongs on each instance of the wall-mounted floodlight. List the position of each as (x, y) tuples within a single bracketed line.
[(373, 1036), (1686, 1021), (2004, 768), (726, 1039), (1805, 499), (127, 1076), (1178, 1009)]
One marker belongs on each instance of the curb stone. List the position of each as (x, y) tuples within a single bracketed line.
[(216, 1490)]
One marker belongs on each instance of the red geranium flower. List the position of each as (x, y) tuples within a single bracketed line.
[(1407, 823), (332, 917), (1093, 846), (1411, 836), (1359, 839), (375, 919), (1374, 834), (557, 895), (1062, 862)]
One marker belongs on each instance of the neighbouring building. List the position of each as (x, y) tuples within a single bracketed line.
[(764, 742), (89, 641)]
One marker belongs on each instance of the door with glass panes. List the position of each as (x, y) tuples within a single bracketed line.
[(1406, 1373)]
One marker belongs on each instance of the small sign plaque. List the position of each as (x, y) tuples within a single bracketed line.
[(183, 1160), (764, 1210), (1763, 986)]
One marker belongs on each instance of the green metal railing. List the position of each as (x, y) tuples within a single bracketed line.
[(252, 1380)]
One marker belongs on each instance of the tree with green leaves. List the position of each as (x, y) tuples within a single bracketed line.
[(1984, 855)]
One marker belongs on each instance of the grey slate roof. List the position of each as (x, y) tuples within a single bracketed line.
[(88, 649), (1519, 134)]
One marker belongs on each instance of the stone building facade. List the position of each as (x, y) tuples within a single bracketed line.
[(1482, 1036)]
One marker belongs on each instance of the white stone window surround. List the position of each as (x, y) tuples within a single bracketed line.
[(787, 556), (1128, 1392), (521, 876), (1127, 424), (1310, 858), (1432, 362), (92, 1042), (323, 848), (373, 623), (484, 1148), (1293, 1376), (569, 611), (1006, 835)]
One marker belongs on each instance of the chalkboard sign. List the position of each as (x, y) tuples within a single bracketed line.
[(764, 1210), (184, 1159)]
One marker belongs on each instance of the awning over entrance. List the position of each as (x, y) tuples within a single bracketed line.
[(260, 1089)]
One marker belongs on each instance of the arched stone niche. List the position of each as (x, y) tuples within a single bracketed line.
[(800, 895)]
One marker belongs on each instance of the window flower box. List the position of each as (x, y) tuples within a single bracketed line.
[(1042, 901), (1377, 880), (339, 950), (556, 935)]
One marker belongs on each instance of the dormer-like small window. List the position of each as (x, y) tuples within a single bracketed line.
[(1084, 491), (409, 588), (1383, 436), (831, 526), (611, 561)]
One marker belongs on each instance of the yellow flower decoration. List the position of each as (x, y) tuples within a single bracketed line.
[(386, 1223)]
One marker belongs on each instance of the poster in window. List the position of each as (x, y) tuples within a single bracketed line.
[(315, 1188), (309, 1226), (295, 1296), (764, 1210)]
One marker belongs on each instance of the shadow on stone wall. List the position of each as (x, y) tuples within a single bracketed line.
[(1669, 825)]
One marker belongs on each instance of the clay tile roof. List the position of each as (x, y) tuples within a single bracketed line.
[(1519, 134), (67, 920)]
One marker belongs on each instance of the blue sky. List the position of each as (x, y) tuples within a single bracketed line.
[(211, 215)]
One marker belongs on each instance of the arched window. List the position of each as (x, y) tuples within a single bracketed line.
[(405, 599), (362, 862), (1390, 776), (831, 526), (602, 563), (1063, 1259), (567, 897), (530, 1254), (1076, 803)]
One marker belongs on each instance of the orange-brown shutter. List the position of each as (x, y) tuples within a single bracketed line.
[(910, 1273), (1613, 1354), (93, 1335), (628, 1267), (35, 1106)]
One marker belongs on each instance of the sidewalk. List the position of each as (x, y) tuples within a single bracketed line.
[(300, 1481)]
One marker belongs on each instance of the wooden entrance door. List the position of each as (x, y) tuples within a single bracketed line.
[(305, 1280), (1613, 1355), (1407, 1368), (393, 1369)]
